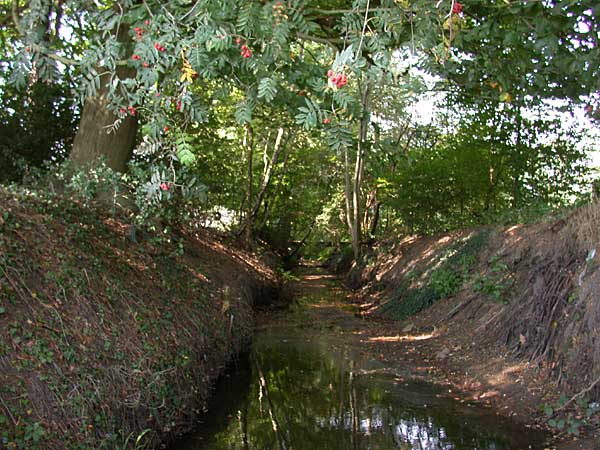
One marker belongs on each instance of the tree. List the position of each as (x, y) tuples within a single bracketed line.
[(37, 124), (149, 61)]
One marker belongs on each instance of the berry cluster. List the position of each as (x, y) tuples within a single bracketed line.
[(244, 49), (139, 31), (159, 47), (246, 53), (457, 8), (130, 109), (339, 79), (137, 58)]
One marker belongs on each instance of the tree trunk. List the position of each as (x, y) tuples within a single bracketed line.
[(348, 199), (94, 141), (97, 138), (352, 189), (267, 173), (249, 145)]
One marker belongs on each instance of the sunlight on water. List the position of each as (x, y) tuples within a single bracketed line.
[(293, 394)]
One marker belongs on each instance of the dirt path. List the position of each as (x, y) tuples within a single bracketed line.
[(323, 306)]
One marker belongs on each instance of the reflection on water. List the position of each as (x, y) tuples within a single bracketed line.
[(294, 395)]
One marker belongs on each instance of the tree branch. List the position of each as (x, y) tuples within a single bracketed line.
[(15, 17), (579, 394), (320, 40)]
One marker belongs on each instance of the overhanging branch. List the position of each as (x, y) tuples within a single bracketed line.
[(321, 40)]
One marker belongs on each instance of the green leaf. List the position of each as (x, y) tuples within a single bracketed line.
[(243, 112), (309, 115), (267, 89), (184, 151), (345, 58)]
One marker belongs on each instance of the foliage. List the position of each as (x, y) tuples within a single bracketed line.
[(496, 282), (497, 164), (585, 413), (450, 269), (514, 50), (156, 195), (37, 125), (339, 77)]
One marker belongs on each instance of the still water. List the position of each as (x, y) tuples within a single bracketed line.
[(290, 394)]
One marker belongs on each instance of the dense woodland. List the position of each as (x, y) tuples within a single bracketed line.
[(331, 122)]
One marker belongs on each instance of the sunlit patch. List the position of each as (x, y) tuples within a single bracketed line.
[(404, 338), (319, 277), (512, 229), (506, 376)]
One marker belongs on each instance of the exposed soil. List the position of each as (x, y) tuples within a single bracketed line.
[(415, 349)]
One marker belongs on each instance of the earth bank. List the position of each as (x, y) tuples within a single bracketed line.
[(108, 341), (508, 315)]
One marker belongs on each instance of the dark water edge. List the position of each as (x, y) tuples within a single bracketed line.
[(294, 394)]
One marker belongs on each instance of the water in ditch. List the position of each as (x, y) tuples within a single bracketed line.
[(301, 394)]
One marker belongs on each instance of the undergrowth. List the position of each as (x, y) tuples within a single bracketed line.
[(107, 343)]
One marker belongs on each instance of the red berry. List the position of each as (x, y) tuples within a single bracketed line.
[(122, 110), (136, 57), (178, 106), (164, 187), (238, 40), (326, 120), (166, 129), (145, 64), (329, 73), (131, 110), (138, 30), (457, 8), (146, 22)]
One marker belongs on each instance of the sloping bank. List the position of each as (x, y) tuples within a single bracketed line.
[(104, 340), (508, 311)]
